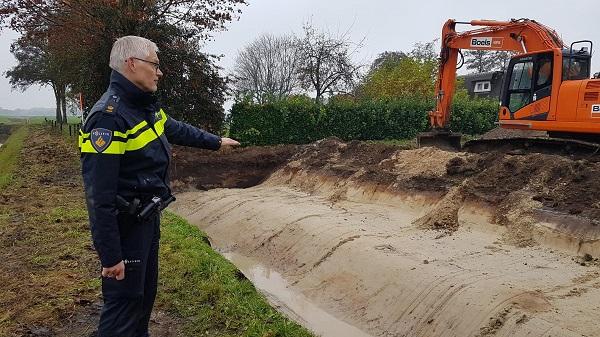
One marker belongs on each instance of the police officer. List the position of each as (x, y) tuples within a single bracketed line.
[(125, 155)]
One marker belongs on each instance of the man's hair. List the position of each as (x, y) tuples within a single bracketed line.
[(130, 46)]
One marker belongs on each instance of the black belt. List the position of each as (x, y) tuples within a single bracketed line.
[(143, 211)]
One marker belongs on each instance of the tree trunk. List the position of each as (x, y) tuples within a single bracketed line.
[(63, 101), (58, 105)]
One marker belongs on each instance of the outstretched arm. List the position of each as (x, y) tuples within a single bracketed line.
[(184, 134)]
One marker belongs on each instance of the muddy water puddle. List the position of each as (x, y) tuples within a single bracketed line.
[(292, 303)]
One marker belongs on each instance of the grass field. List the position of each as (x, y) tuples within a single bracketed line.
[(35, 119)]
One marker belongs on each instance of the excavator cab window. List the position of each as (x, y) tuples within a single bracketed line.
[(530, 79), (575, 68), (543, 82), (519, 87), (544, 72)]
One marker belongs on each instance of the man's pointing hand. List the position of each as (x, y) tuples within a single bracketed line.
[(229, 142)]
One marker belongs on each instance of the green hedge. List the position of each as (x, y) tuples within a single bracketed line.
[(299, 120), (473, 116)]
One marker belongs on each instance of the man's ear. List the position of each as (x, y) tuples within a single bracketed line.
[(130, 65)]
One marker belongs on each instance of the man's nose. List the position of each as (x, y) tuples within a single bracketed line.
[(159, 73)]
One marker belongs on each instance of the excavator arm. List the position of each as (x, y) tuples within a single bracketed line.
[(520, 36)]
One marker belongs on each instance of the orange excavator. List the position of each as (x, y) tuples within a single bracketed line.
[(547, 85)]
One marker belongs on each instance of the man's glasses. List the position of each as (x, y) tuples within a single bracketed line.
[(155, 64)]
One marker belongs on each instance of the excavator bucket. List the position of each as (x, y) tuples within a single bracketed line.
[(444, 140)]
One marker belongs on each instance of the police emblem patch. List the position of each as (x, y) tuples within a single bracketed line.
[(100, 139), (157, 116)]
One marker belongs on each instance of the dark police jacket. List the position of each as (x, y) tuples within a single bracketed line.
[(125, 151)]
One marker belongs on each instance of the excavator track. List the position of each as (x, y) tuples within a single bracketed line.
[(575, 149)]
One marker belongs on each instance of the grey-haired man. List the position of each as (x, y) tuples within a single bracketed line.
[(125, 155)]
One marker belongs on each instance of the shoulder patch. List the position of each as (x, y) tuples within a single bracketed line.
[(101, 139), (107, 105), (157, 116), (112, 104)]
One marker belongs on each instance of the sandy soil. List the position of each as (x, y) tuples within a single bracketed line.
[(422, 242)]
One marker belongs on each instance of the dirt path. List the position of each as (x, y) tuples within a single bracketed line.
[(423, 242)]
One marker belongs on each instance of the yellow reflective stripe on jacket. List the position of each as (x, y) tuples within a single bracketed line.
[(118, 147), (132, 131), (160, 125), (149, 135), (81, 136), (115, 147), (117, 133), (141, 140)]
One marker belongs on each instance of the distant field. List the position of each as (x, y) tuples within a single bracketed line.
[(10, 120), (34, 119)]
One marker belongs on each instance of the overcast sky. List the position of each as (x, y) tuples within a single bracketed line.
[(384, 24)]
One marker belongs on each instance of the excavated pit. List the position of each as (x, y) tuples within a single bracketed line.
[(5, 131), (417, 242)]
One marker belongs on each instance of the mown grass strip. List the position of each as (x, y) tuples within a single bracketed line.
[(9, 155), (201, 286), (49, 268)]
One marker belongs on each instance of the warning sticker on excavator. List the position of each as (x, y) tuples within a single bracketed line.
[(596, 111), (487, 42)]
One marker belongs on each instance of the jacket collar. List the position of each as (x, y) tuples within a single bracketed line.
[(129, 92)]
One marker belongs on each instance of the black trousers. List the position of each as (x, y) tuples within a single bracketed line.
[(128, 303)]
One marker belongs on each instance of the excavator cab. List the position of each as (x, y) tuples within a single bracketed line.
[(528, 87), (529, 82), (547, 86), (551, 91)]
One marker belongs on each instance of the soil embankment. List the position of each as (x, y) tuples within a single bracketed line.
[(418, 242)]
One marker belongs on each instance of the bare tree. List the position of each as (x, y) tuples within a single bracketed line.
[(266, 69), (326, 65)]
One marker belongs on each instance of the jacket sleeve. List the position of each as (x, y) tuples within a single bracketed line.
[(184, 134), (100, 172)]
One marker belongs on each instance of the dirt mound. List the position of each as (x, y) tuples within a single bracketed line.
[(387, 166), (559, 183)]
